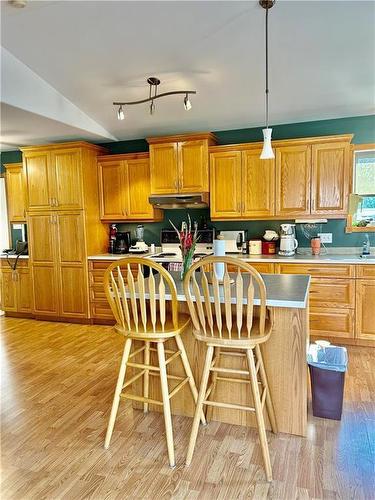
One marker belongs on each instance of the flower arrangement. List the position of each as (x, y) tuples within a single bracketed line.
[(188, 241)]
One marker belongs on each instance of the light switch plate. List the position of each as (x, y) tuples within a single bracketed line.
[(325, 237)]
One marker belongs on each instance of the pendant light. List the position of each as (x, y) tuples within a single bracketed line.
[(267, 152)]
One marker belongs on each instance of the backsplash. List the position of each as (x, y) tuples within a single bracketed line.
[(255, 229)]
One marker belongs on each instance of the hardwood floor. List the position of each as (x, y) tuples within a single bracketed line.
[(57, 386)]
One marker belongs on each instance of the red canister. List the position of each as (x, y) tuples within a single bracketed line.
[(268, 247)]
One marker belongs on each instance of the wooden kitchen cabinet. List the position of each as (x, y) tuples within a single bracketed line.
[(293, 180), (15, 192), (124, 186), (330, 181), (226, 190), (58, 261), (179, 164), (258, 185), (57, 176), (15, 290), (365, 307)]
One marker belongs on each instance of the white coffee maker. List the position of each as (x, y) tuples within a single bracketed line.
[(288, 242)]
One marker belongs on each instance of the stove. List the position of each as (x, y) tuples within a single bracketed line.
[(171, 253)]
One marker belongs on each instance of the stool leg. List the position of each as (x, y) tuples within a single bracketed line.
[(199, 407), (189, 373), (259, 414), (264, 380), (116, 397), (146, 376), (166, 403), (210, 409)]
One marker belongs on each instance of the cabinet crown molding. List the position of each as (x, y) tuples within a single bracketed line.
[(283, 142), (64, 145), (196, 136), (123, 157)]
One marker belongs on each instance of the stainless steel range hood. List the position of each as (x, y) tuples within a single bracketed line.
[(180, 201)]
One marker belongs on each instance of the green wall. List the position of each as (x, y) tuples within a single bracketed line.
[(363, 128)]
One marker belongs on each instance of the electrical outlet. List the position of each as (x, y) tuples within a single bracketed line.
[(325, 237)]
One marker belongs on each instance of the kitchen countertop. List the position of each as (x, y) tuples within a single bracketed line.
[(330, 258), (283, 290), (4, 256)]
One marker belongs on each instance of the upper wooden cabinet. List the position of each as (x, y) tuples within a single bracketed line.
[(15, 190), (56, 174), (258, 185), (242, 185), (330, 178), (293, 178), (225, 189), (179, 164), (124, 185), (309, 177)]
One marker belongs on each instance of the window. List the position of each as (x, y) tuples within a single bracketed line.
[(362, 201)]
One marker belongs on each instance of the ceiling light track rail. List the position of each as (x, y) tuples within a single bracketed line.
[(175, 92)]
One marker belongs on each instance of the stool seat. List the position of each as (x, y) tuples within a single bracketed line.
[(170, 329), (242, 341)]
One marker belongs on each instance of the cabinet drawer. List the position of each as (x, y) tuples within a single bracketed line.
[(326, 322), (261, 267), (318, 270), (332, 293), (24, 263), (99, 264), (101, 310), (366, 271), (97, 292)]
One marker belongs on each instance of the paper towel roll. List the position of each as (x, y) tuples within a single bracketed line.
[(219, 251)]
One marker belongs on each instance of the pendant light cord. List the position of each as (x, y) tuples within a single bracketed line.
[(267, 90)]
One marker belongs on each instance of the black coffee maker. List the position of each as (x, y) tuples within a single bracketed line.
[(122, 243)]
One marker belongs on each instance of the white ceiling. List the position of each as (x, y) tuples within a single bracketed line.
[(322, 62)]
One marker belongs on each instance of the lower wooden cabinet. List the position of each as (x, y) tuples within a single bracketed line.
[(16, 290), (331, 322), (365, 309)]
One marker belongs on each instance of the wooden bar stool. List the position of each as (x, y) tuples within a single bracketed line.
[(223, 317), (148, 321)]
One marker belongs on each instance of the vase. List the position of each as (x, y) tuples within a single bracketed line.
[(187, 261)]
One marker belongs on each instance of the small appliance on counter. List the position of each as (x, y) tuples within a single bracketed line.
[(234, 240), (288, 242), (122, 242), (268, 247), (140, 246), (255, 247)]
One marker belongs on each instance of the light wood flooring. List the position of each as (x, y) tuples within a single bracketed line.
[(57, 386)]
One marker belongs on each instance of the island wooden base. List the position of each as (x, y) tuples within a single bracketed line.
[(284, 357)]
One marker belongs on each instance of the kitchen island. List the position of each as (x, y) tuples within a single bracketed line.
[(284, 356)]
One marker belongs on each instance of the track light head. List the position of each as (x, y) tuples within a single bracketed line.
[(120, 113), (152, 108), (187, 103)]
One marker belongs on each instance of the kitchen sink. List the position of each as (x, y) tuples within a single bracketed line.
[(371, 257)]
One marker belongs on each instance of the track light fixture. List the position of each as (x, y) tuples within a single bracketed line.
[(187, 103), (153, 94), (267, 152), (120, 113)]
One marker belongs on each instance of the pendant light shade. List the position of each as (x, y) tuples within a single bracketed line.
[(267, 151)]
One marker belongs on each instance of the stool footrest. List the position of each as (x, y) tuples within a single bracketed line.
[(229, 370), (137, 351), (133, 379), (126, 395), (228, 405), (178, 387), (143, 366)]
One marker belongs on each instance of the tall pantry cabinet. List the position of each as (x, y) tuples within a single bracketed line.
[(62, 204)]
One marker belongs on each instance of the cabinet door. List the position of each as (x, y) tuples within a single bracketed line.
[(39, 180), (16, 195), (293, 176), (8, 291), (258, 185), (24, 291), (139, 189), (72, 268), (330, 179), (225, 191), (164, 169), (193, 166), (67, 183), (113, 190), (331, 322), (43, 250), (365, 306)]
